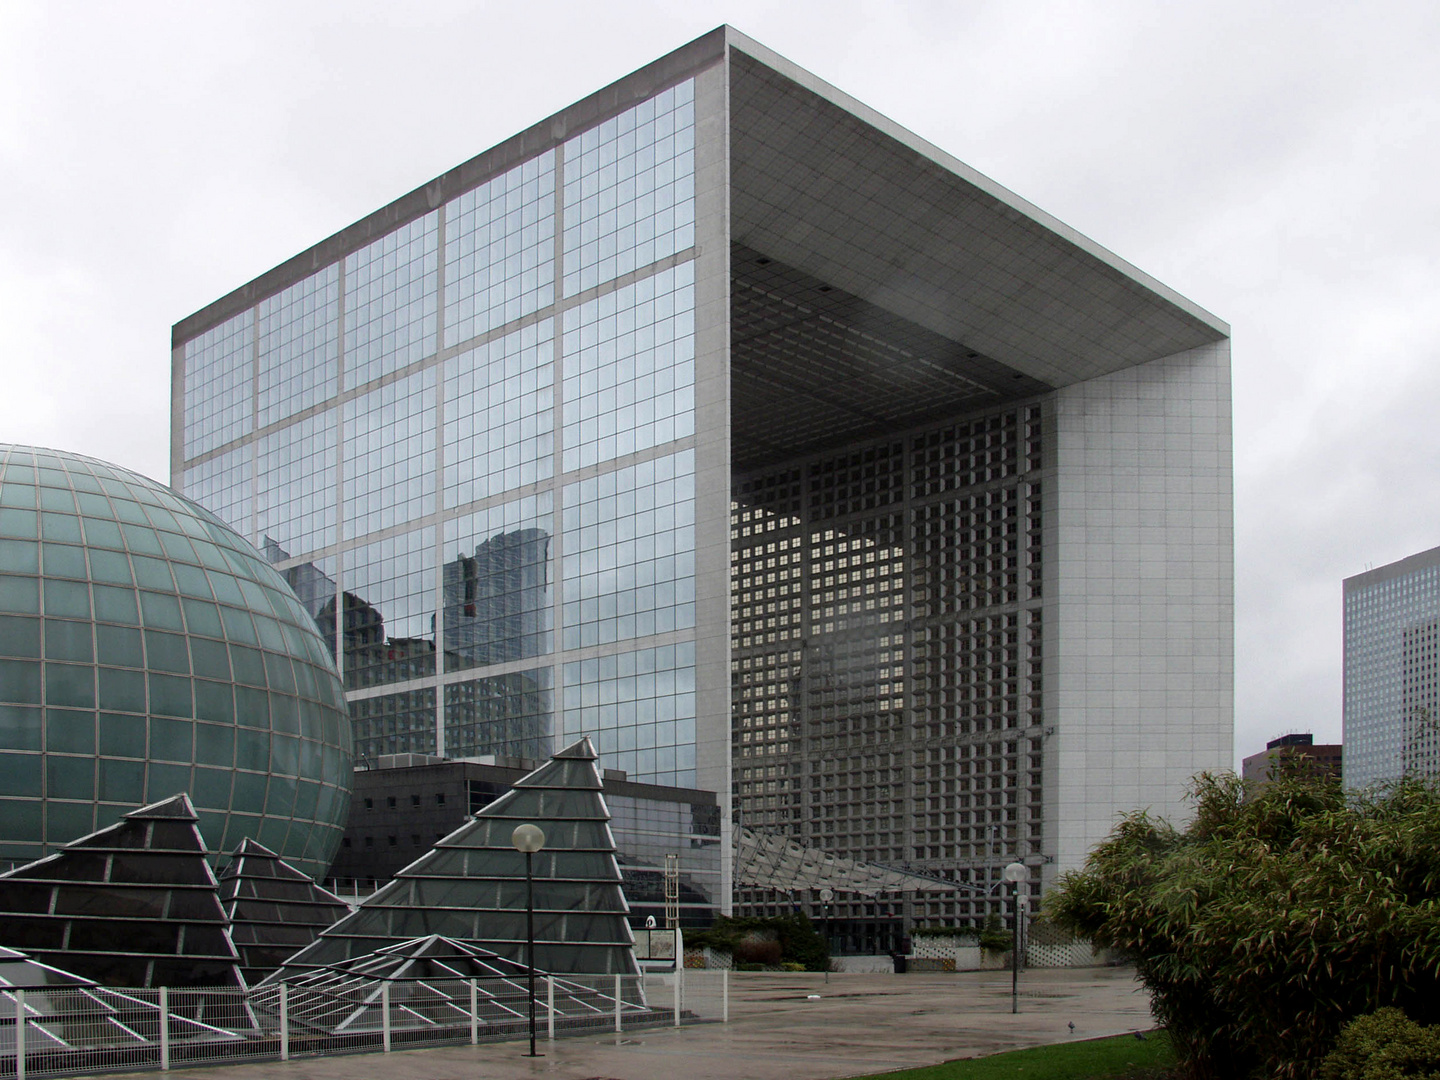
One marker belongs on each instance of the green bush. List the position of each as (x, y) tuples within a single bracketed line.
[(969, 933), (799, 943), (1386, 1045), (995, 937), (1267, 925)]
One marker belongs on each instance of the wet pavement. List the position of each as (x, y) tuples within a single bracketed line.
[(858, 1024)]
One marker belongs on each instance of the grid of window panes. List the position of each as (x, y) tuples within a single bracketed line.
[(630, 190), (295, 507), (629, 544), (499, 416), (224, 484), (389, 610), (299, 354), (500, 250), (399, 723), (639, 710), (496, 584), (645, 832), (886, 652), (1391, 680), (146, 650), (630, 369), (389, 455), (382, 437), (219, 366), (512, 713), (390, 301)]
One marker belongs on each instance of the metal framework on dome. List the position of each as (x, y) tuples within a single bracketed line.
[(274, 909), (470, 887), (134, 904), (767, 861)]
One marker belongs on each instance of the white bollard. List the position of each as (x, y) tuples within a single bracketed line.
[(385, 1010), (617, 1002), (474, 1016), (724, 995), (550, 1006), (164, 1027), (677, 995), (284, 1022), (19, 1035)]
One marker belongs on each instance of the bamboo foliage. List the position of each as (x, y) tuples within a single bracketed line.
[(1268, 924)]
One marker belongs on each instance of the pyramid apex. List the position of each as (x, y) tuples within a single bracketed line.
[(251, 846), (582, 750), (177, 807)]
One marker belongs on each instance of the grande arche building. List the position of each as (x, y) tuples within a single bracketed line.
[(721, 419)]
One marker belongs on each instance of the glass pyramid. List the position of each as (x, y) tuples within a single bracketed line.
[(134, 904), (470, 887), (274, 909), (429, 983)]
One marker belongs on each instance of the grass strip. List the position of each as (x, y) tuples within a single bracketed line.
[(1122, 1057)]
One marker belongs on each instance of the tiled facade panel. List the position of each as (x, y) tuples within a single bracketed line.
[(886, 639), (407, 431), (1139, 609)]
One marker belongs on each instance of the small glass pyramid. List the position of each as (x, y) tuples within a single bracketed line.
[(470, 887), (274, 909), (134, 904), (429, 984)]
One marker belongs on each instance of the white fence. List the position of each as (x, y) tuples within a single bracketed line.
[(69, 1030)]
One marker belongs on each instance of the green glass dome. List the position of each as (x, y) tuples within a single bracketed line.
[(145, 650)]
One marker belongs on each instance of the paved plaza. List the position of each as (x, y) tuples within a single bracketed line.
[(859, 1024)]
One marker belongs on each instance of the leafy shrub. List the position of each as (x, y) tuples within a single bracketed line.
[(995, 937), (1386, 1045), (757, 951), (799, 943), (790, 965), (1267, 925), (969, 933)]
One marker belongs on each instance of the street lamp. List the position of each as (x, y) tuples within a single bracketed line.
[(1015, 873), (529, 839), (826, 895)]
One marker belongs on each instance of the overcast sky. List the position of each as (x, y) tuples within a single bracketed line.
[(1276, 163)]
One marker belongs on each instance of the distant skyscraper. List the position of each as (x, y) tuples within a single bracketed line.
[(1392, 671), (723, 420)]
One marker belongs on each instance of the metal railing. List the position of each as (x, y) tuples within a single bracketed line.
[(67, 1030)]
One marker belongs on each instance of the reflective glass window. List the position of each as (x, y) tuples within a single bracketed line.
[(390, 455), (630, 369), (630, 190), (500, 250), (224, 486), (509, 714), (219, 366), (390, 298), (295, 488), (499, 420), (496, 580), (629, 552), (388, 626), (639, 709), (299, 354)]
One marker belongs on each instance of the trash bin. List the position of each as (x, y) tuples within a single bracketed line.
[(902, 963)]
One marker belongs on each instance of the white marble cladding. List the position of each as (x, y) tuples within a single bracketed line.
[(1139, 595)]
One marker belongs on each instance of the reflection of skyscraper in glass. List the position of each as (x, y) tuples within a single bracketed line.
[(497, 601), (853, 469)]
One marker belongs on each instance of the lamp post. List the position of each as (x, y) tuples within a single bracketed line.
[(529, 839), (826, 895), (1015, 873)]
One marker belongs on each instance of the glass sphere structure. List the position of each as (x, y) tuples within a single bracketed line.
[(146, 649)]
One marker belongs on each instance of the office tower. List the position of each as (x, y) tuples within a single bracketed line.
[(858, 479), (1392, 671)]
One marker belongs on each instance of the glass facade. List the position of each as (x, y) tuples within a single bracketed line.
[(146, 651), (1392, 671), (469, 446)]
